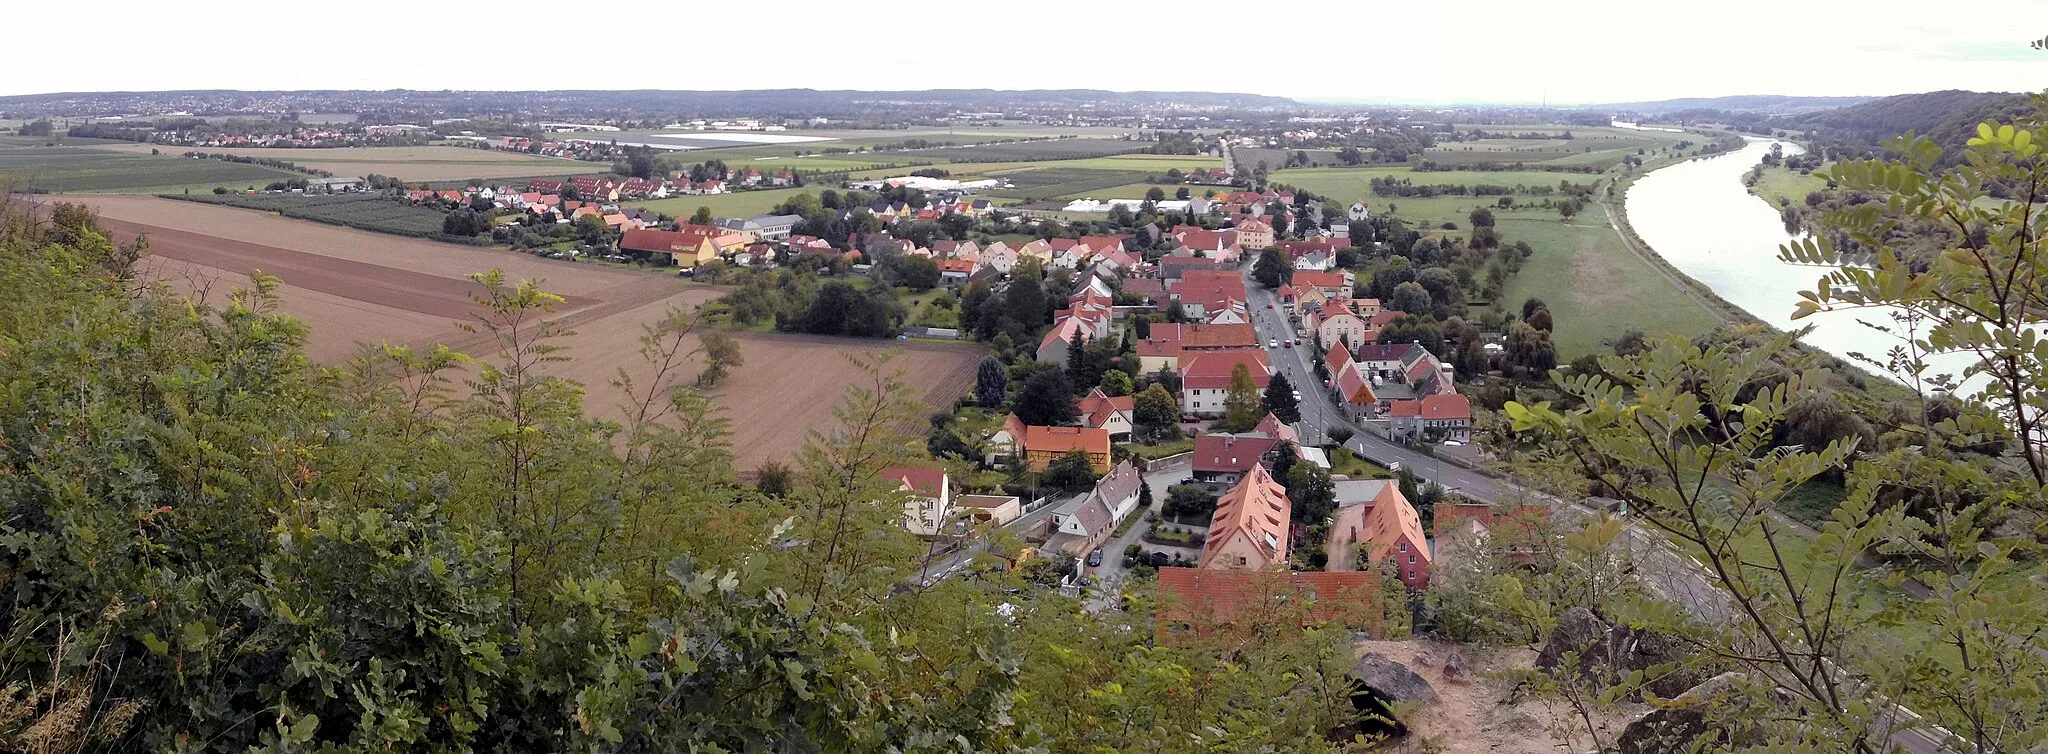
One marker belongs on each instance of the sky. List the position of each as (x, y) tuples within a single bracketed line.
[(1408, 51)]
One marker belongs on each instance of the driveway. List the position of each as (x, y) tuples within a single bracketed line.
[(1110, 576)]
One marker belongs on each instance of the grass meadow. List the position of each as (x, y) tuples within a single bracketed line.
[(84, 169)]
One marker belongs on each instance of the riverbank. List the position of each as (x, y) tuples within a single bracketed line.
[(1614, 202)]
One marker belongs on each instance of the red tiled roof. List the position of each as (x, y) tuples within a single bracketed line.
[(1208, 596), (923, 481), (1256, 510), (1439, 407), (1099, 406), (1060, 440), (1331, 279), (1230, 453), (1353, 387), (1211, 369), (1336, 358)]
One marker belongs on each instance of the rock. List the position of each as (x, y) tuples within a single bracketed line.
[(1712, 710), (1455, 668), (1391, 681), (1607, 653)]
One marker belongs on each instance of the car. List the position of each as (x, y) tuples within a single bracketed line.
[(1269, 306), (1454, 443), (1095, 557), (1394, 467), (1272, 342), (1287, 344), (1297, 395)]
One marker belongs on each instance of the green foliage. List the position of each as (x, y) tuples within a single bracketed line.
[(1279, 399), (1272, 270), (213, 545), (1242, 408), (1070, 472), (1046, 400)]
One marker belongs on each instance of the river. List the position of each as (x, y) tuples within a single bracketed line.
[(1700, 218)]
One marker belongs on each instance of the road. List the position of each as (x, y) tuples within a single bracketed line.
[(1662, 566), (1109, 576), (1320, 411)]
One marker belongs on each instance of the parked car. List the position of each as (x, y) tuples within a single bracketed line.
[(1095, 557)]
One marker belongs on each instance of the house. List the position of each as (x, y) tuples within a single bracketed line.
[(1220, 460), (1043, 445), (1036, 249), (1052, 349), (1086, 522), (685, 249), (954, 273), (1374, 515), (1205, 378), (1254, 235), (996, 509), (1355, 392), (1334, 283), (963, 250), (931, 498), (1441, 416), (999, 257), (1249, 528), (1359, 212), (1336, 323), (776, 227), (1109, 413), (1201, 601), (1165, 344)]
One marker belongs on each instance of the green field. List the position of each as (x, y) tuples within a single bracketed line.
[(1595, 288), (736, 204), (1781, 186), (372, 212), (75, 169), (1345, 185)]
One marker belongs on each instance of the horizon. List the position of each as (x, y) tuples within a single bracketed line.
[(1601, 53)]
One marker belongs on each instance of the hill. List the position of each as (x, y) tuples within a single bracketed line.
[(1763, 103), (1921, 113)]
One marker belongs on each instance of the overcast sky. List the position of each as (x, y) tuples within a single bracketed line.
[(1582, 51)]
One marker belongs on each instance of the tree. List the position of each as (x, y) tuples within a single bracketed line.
[(1078, 371), (1411, 298), (1541, 320), (1185, 501), (916, 273), (1116, 382), (1070, 472), (1313, 493), (1154, 410), (1047, 399), (1568, 207), (1529, 350), (721, 353), (464, 222), (1141, 327), (1481, 218), (1155, 194), (1280, 398), (991, 381), (1272, 270), (774, 479), (1241, 406), (702, 216)]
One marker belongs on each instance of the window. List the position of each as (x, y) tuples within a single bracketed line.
[(1411, 559), (1403, 546)]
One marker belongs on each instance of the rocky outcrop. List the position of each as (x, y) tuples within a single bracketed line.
[(1391, 681), (1713, 712), (1607, 653)]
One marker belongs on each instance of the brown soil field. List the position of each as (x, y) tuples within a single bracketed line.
[(325, 343), (408, 163), (352, 286), (129, 213)]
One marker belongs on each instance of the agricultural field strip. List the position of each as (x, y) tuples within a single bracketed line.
[(377, 284)]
